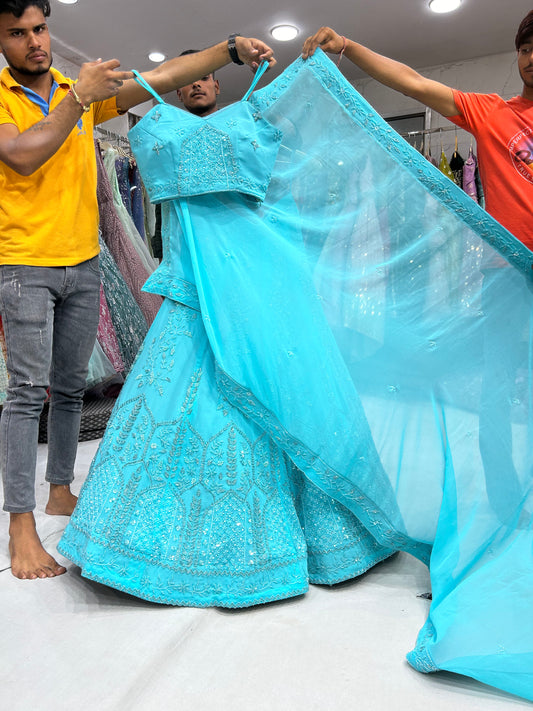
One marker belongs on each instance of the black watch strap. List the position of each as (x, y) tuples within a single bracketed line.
[(232, 49)]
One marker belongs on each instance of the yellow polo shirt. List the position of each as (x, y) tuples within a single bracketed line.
[(50, 218)]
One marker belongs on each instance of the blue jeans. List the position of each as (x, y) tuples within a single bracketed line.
[(50, 317)]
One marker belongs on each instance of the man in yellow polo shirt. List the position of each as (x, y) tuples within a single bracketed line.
[(49, 276)]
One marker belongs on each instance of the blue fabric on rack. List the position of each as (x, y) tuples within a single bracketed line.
[(354, 316)]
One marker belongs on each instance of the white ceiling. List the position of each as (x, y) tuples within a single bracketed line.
[(404, 29)]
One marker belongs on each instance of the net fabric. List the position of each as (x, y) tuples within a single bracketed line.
[(381, 348), (375, 323), (437, 342)]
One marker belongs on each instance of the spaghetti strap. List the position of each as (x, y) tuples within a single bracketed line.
[(145, 85), (259, 73)]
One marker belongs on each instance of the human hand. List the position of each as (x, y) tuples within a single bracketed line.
[(253, 51), (327, 39), (100, 80)]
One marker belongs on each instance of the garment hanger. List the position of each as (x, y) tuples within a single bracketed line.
[(427, 144)]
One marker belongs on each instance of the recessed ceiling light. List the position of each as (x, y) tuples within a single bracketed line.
[(156, 56), (68, 2), (444, 5), (284, 33)]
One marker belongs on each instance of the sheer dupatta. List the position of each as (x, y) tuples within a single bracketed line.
[(377, 323)]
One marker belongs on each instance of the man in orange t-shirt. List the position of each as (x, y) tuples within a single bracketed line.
[(504, 136), (503, 129)]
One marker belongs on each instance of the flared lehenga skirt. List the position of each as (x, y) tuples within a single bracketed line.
[(189, 502)]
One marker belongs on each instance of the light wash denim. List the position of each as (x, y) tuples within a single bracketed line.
[(50, 317)]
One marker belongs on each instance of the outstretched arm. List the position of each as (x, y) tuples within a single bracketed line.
[(26, 151), (387, 71), (181, 71)]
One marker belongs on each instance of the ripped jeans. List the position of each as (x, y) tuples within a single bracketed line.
[(50, 318)]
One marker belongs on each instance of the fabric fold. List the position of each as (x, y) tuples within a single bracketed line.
[(355, 319)]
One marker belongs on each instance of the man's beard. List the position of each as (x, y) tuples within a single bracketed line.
[(202, 110), (24, 71)]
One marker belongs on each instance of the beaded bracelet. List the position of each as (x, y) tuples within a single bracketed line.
[(72, 92)]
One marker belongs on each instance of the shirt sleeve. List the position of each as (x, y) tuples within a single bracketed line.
[(473, 109), (5, 116), (105, 110)]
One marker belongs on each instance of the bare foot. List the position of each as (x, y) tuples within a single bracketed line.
[(29, 560), (61, 501)]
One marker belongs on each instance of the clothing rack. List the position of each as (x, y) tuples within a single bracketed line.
[(427, 134), (426, 131), (121, 141)]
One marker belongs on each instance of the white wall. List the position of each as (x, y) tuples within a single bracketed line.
[(494, 74)]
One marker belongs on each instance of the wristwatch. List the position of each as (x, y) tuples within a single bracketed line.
[(232, 49)]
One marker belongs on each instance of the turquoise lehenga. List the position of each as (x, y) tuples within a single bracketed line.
[(341, 368)]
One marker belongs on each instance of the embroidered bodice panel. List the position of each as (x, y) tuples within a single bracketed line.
[(180, 154)]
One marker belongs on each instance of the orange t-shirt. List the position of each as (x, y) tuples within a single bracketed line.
[(504, 136)]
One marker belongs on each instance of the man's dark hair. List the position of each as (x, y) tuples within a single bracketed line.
[(525, 30), (194, 51), (19, 7)]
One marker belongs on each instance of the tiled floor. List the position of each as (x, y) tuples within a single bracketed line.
[(68, 643)]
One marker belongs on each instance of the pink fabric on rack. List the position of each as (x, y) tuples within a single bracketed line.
[(107, 338), (120, 246), (469, 175)]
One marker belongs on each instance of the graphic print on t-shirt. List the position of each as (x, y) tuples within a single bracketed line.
[(521, 152)]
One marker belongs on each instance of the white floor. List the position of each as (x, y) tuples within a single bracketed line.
[(68, 643)]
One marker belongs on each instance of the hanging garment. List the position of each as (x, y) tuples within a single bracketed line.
[(444, 166), (362, 334), (127, 319), (137, 199), (469, 175), (110, 164), (100, 368), (456, 166), (130, 188), (134, 270), (107, 336), (430, 158), (479, 188), (122, 169)]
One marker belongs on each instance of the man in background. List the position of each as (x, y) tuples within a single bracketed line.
[(200, 97)]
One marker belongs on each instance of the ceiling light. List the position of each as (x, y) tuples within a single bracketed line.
[(68, 2), (444, 5), (284, 33), (157, 57)]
